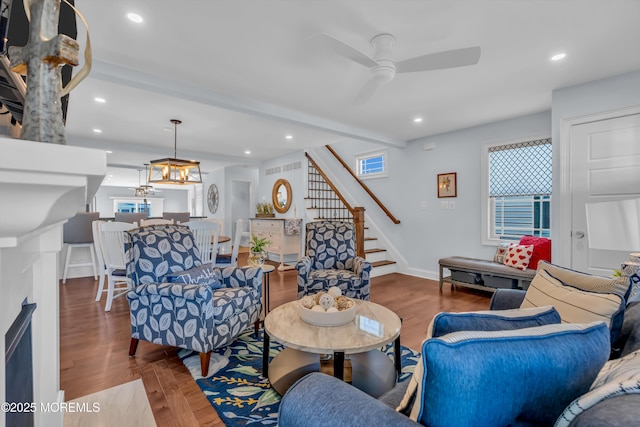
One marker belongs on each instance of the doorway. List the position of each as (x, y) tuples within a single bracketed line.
[(240, 205)]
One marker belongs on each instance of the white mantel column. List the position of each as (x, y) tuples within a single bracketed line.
[(41, 186)]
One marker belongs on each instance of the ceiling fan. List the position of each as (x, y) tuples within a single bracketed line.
[(383, 68)]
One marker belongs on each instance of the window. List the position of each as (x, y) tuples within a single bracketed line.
[(519, 181), (372, 165), (154, 206)]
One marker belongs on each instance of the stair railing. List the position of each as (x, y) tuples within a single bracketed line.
[(331, 204), (364, 186)]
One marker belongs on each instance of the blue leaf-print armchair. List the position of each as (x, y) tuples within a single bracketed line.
[(331, 261), (180, 302)]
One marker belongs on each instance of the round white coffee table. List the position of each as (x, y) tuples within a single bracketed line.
[(373, 327)]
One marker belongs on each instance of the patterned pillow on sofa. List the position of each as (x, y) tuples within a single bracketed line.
[(573, 304), (203, 275), (158, 250)]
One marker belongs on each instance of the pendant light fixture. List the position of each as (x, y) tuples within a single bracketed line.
[(139, 192), (148, 189), (174, 170)]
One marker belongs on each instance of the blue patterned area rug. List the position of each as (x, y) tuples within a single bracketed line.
[(235, 386)]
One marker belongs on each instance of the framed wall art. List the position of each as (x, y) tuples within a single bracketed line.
[(447, 185)]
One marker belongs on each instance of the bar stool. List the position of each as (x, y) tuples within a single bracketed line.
[(77, 233)]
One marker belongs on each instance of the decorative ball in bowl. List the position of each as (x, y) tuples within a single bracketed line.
[(329, 308)]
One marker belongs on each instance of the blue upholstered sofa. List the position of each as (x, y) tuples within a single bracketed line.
[(180, 302), (611, 399)]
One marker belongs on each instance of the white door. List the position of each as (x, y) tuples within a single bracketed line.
[(605, 167)]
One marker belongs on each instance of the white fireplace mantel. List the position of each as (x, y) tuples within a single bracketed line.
[(41, 186)]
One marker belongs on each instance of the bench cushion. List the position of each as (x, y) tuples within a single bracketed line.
[(483, 266)]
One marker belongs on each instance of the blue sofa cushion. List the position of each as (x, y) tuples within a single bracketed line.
[(502, 320), (491, 320), (159, 250), (203, 275), (518, 377)]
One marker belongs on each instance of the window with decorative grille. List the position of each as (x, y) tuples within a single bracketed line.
[(520, 184)]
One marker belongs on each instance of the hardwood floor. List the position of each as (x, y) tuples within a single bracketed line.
[(94, 344)]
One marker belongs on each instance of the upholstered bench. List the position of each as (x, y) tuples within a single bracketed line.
[(483, 274)]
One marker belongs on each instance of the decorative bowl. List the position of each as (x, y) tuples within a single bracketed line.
[(324, 318)]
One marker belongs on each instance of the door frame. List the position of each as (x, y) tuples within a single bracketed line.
[(562, 198)]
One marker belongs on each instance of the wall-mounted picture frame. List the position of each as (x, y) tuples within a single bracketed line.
[(447, 185)]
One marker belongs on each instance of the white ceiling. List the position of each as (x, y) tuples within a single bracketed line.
[(243, 74)]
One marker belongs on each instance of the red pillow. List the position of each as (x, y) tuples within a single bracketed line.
[(541, 249)]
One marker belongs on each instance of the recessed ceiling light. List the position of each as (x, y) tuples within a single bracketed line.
[(134, 17), (558, 56), (288, 137), (109, 152), (247, 151), (167, 129), (417, 120), (96, 130), (99, 100)]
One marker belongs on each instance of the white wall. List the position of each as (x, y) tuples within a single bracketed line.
[(296, 177), (426, 235)]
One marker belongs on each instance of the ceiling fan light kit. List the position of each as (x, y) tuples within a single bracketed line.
[(172, 170)]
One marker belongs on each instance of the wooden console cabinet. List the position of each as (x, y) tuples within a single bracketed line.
[(281, 243)]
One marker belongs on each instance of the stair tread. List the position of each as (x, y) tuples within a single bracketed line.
[(373, 251), (381, 263)]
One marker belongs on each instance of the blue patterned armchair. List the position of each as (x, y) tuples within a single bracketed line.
[(331, 261), (180, 302)]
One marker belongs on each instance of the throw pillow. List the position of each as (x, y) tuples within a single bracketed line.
[(501, 252), (490, 320), (541, 249), (520, 377), (588, 282), (617, 377), (203, 275), (518, 256), (573, 304)]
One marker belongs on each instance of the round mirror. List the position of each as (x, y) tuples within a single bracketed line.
[(281, 195)]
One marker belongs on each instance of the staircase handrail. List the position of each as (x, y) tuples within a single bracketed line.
[(364, 186), (357, 212)]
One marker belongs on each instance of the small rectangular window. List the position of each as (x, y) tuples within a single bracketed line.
[(372, 165)]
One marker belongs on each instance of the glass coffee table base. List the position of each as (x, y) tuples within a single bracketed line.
[(372, 372)]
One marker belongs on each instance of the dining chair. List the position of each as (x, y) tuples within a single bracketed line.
[(97, 244), (206, 235), (114, 238), (130, 217), (77, 234), (177, 217), (155, 221), (226, 260)]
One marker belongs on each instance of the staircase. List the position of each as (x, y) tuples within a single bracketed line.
[(323, 202)]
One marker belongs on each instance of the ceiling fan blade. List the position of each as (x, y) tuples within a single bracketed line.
[(437, 61), (366, 92), (341, 48)]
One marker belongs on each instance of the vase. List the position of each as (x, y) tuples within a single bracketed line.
[(256, 259)]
